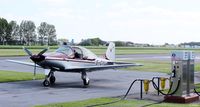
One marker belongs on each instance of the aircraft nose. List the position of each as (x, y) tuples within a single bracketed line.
[(37, 58)]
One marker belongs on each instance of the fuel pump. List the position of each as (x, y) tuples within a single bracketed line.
[(182, 65), (183, 69)]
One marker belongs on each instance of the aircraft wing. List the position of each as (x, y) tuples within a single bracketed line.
[(23, 63), (85, 68), (101, 67)]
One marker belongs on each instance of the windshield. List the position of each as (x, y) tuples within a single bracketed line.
[(65, 50)]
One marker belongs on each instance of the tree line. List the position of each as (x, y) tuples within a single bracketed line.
[(191, 43), (92, 42), (26, 33), (99, 42)]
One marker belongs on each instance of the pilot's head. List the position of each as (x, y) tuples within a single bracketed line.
[(64, 43)]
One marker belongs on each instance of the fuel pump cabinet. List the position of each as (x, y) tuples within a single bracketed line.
[(182, 65)]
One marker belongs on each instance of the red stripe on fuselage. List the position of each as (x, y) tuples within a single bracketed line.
[(73, 60)]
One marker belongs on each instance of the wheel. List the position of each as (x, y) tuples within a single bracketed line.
[(46, 83), (52, 79), (86, 81)]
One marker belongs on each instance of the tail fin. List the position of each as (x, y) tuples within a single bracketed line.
[(110, 53)]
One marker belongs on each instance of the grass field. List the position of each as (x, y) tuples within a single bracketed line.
[(20, 52), (17, 50), (11, 76), (197, 86), (154, 66)]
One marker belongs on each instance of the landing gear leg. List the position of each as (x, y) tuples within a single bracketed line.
[(85, 79), (52, 78), (49, 78)]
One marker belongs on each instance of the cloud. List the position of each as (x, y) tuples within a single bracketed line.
[(126, 20), (18, 18), (151, 14), (53, 2), (59, 13)]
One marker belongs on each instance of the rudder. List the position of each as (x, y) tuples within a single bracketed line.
[(110, 53)]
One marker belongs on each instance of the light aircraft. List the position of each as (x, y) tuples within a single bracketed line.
[(75, 59)]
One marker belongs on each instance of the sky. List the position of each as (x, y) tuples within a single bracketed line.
[(139, 21)]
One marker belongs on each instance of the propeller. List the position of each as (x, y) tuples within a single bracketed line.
[(27, 51), (36, 58), (43, 51)]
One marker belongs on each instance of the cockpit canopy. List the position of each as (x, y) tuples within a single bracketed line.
[(77, 51), (85, 53), (64, 49)]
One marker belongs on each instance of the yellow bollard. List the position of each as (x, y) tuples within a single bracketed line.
[(163, 80), (146, 85)]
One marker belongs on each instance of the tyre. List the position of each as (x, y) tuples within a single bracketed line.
[(86, 82), (46, 83)]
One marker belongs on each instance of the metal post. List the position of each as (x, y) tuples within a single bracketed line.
[(158, 85), (188, 78), (141, 89), (34, 75)]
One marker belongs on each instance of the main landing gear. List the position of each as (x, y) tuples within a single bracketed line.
[(85, 79), (49, 79)]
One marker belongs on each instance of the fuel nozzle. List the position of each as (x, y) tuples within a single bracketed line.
[(173, 72)]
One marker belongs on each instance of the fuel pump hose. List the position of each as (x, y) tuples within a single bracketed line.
[(196, 92), (119, 99)]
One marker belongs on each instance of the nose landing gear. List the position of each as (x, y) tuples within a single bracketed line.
[(49, 79)]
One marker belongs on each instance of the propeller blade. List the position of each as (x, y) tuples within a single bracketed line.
[(27, 51), (34, 72), (43, 51)]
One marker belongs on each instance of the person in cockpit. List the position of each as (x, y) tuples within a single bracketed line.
[(76, 54)]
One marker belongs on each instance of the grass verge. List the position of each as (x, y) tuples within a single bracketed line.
[(124, 103), (197, 86), (12, 76)]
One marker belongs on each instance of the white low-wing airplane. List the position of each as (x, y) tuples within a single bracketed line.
[(74, 59)]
